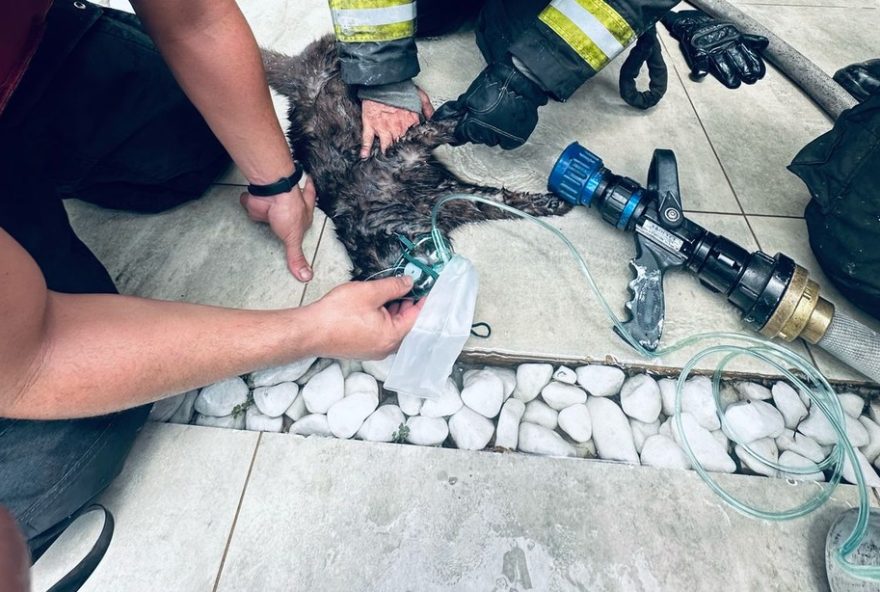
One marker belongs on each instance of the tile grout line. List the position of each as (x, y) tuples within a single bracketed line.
[(312, 262), (712, 146), (780, 216), (237, 511)]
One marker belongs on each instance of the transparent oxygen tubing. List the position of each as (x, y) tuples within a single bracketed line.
[(780, 358)]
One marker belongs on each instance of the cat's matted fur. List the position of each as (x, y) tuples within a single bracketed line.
[(370, 201)]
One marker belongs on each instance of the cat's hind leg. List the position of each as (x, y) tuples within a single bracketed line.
[(536, 204)]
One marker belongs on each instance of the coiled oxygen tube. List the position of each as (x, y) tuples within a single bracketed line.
[(781, 359)]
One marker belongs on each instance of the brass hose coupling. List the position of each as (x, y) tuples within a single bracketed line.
[(801, 311)]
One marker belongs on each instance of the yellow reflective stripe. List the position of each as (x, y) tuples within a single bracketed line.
[(363, 33), (574, 37), (612, 20), (348, 4), (345, 17)]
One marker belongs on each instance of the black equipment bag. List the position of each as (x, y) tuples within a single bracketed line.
[(842, 170)]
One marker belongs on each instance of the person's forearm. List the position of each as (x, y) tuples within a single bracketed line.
[(103, 353), (215, 58)]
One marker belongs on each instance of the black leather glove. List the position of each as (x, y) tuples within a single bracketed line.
[(860, 80), (500, 108), (717, 48)]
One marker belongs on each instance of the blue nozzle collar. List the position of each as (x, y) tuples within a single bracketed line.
[(576, 175)]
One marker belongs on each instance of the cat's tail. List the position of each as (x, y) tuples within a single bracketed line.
[(280, 71), (305, 73)]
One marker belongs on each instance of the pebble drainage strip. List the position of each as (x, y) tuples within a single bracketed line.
[(593, 411)]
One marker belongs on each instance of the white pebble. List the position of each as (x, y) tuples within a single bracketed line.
[(530, 379), (611, 431), (662, 452), (642, 431), (278, 374), (748, 421), (345, 417), (446, 404), (697, 399), (297, 409), (379, 369), (871, 478), (349, 367), (722, 439), (852, 404), (536, 439), (318, 366), (872, 449), (426, 431), (667, 396), (231, 422), (324, 389), (507, 376), (470, 430), (483, 392), (275, 400), (409, 404), (507, 432), (793, 459), (164, 409), (666, 427), (640, 398), (311, 425), (817, 427), (803, 445), (874, 412), (381, 425), (565, 375), (361, 382), (765, 448), (728, 396), (259, 422), (856, 432), (600, 381), (789, 404), (184, 413), (707, 450), (540, 413), (559, 395), (805, 398), (751, 391), (220, 398), (575, 421)]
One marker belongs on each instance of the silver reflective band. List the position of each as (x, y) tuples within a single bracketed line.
[(356, 17), (590, 26)]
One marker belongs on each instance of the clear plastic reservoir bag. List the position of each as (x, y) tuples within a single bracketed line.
[(427, 354)]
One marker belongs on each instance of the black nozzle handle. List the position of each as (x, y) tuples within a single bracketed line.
[(663, 184)]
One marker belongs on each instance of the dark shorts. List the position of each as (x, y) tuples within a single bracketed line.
[(99, 117)]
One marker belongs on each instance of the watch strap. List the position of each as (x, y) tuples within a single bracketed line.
[(282, 185)]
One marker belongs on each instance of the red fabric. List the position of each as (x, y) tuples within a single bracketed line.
[(21, 27)]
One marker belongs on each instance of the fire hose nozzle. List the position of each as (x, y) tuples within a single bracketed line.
[(775, 295)]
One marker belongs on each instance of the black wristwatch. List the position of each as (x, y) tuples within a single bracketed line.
[(282, 185)]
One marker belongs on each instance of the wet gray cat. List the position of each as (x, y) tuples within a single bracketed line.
[(370, 201)]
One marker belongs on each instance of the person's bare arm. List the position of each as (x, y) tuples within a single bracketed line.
[(65, 355), (213, 54), (14, 560)]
